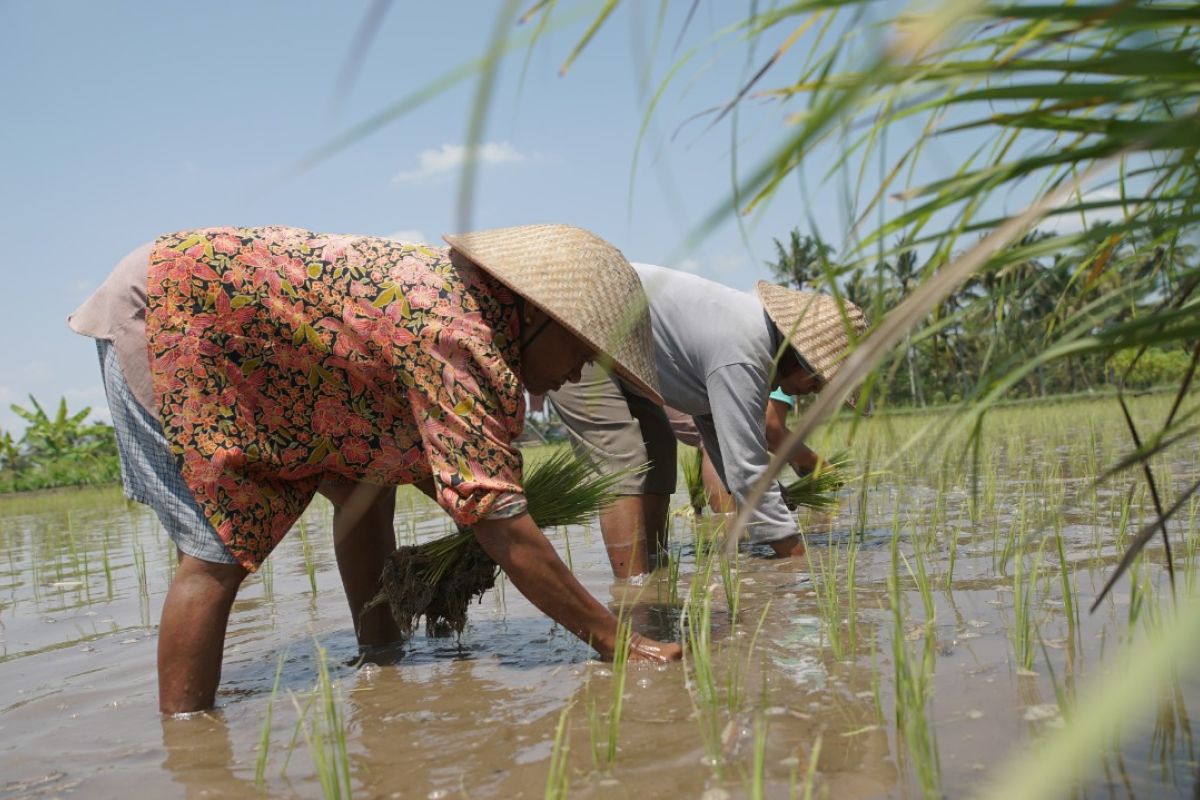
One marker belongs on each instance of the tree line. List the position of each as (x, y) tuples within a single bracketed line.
[(1006, 316)]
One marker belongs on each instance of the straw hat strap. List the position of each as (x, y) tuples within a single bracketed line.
[(536, 333)]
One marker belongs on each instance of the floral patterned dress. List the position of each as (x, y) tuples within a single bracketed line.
[(281, 356)]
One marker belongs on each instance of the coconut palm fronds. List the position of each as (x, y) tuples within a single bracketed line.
[(818, 489), (440, 578)]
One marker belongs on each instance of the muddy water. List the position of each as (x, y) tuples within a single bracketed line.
[(83, 574)]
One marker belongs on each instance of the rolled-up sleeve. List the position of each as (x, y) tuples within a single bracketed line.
[(734, 435), (468, 415)]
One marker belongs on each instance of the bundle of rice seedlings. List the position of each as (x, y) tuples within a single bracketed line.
[(690, 464), (440, 578), (818, 489)]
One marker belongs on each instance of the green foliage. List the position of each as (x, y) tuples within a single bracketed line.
[(60, 450), (1155, 367)]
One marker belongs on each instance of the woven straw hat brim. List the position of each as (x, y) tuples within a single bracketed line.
[(814, 325), (579, 280)]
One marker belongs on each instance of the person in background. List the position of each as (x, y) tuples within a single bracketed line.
[(719, 353), (248, 369), (779, 405)]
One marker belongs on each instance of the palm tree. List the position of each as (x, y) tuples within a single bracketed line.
[(803, 263)]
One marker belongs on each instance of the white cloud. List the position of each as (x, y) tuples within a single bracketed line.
[(408, 235), (449, 157), (691, 265), (1072, 222)]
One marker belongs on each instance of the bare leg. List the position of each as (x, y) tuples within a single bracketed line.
[(363, 538), (719, 500), (628, 526), (191, 634)]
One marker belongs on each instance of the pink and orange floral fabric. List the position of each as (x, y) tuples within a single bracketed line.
[(280, 356)]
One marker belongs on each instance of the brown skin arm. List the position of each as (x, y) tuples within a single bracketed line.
[(805, 461), (532, 564)]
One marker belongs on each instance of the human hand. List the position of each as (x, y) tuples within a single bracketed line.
[(642, 648)]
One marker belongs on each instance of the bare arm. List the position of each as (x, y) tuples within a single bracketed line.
[(531, 563), (805, 460)]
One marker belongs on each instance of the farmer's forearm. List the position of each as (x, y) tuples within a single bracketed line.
[(531, 563)]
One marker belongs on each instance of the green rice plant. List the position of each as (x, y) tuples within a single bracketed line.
[(268, 580), (106, 565), (439, 578), (810, 775), (310, 559), (1024, 599), (829, 600), (1070, 605), (620, 670), (326, 736), (758, 768), (818, 489), (264, 735), (735, 673), (672, 578), (732, 584), (913, 675), (558, 776), (691, 462), (702, 685)]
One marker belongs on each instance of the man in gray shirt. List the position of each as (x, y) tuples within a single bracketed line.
[(719, 353)]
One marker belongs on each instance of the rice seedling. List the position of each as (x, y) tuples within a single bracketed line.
[(438, 580), (913, 674), (702, 682), (310, 559), (672, 578), (757, 788), (558, 776), (731, 584), (268, 580), (620, 669), (264, 735), (735, 673), (139, 567), (818, 489), (829, 600), (690, 465), (1024, 599), (326, 736), (805, 790), (1066, 588)]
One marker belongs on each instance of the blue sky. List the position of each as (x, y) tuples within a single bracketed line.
[(128, 119)]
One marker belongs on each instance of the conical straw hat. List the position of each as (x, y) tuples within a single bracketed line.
[(814, 324), (582, 282)]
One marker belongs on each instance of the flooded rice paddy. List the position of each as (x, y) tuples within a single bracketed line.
[(939, 626)]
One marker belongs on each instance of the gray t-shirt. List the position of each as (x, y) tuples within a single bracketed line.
[(714, 348)]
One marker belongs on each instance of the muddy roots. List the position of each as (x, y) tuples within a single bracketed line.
[(443, 603)]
